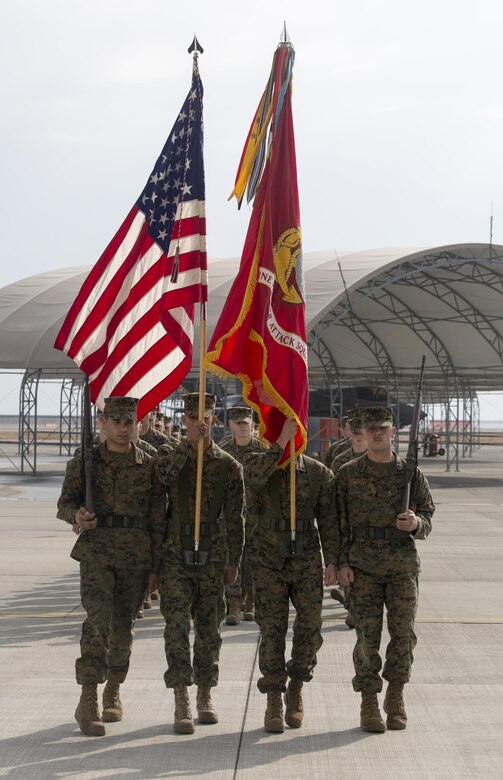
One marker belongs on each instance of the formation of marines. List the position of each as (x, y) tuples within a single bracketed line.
[(138, 539)]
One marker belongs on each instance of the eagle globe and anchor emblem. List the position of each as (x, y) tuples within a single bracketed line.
[(288, 265)]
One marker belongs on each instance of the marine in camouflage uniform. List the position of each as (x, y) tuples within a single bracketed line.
[(280, 577), (168, 426), (339, 446), (240, 445), (357, 443), (378, 557), (152, 451), (150, 440), (119, 551), (144, 446), (197, 591), (149, 434), (159, 423), (357, 448)]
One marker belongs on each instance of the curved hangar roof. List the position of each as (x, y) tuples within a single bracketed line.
[(370, 316)]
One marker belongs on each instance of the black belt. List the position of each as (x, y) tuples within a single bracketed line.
[(303, 524), (175, 526), (187, 529), (121, 521), (375, 532)]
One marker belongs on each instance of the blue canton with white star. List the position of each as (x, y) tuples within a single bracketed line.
[(178, 174)]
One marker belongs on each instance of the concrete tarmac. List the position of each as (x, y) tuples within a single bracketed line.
[(454, 701)]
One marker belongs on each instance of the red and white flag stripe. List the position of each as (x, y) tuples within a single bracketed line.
[(131, 328)]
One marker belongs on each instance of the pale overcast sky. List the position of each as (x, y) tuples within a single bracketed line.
[(398, 116)]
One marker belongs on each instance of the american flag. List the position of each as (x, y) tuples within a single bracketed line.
[(131, 327)]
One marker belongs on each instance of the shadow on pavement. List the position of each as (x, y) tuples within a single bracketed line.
[(63, 748)]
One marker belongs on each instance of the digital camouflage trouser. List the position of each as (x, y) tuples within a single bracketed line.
[(301, 583), (369, 595), (197, 593), (244, 583), (111, 598)]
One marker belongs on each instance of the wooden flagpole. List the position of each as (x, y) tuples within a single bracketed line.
[(200, 443), (293, 519), (195, 49)]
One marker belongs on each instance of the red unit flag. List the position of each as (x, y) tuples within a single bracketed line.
[(260, 337)]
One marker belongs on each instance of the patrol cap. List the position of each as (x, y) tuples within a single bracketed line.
[(377, 415), (239, 413), (121, 408), (355, 420), (159, 416), (191, 404)]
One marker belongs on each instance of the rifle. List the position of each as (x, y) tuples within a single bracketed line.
[(413, 446), (87, 449)]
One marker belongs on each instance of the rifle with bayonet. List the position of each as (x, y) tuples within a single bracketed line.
[(413, 447)]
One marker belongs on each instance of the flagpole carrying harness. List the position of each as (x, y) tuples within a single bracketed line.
[(179, 521), (305, 521)]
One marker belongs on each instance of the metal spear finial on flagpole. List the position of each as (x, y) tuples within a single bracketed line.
[(285, 38), (195, 47)]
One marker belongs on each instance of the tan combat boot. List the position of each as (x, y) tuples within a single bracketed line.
[(206, 712), (349, 620), (234, 611), (112, 707), (338, 595), (155, 596), (87, 714), (147, 601), (394, 707), (273, 720), (249, 607), (370, 716), (294, 714), (183, 715)]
